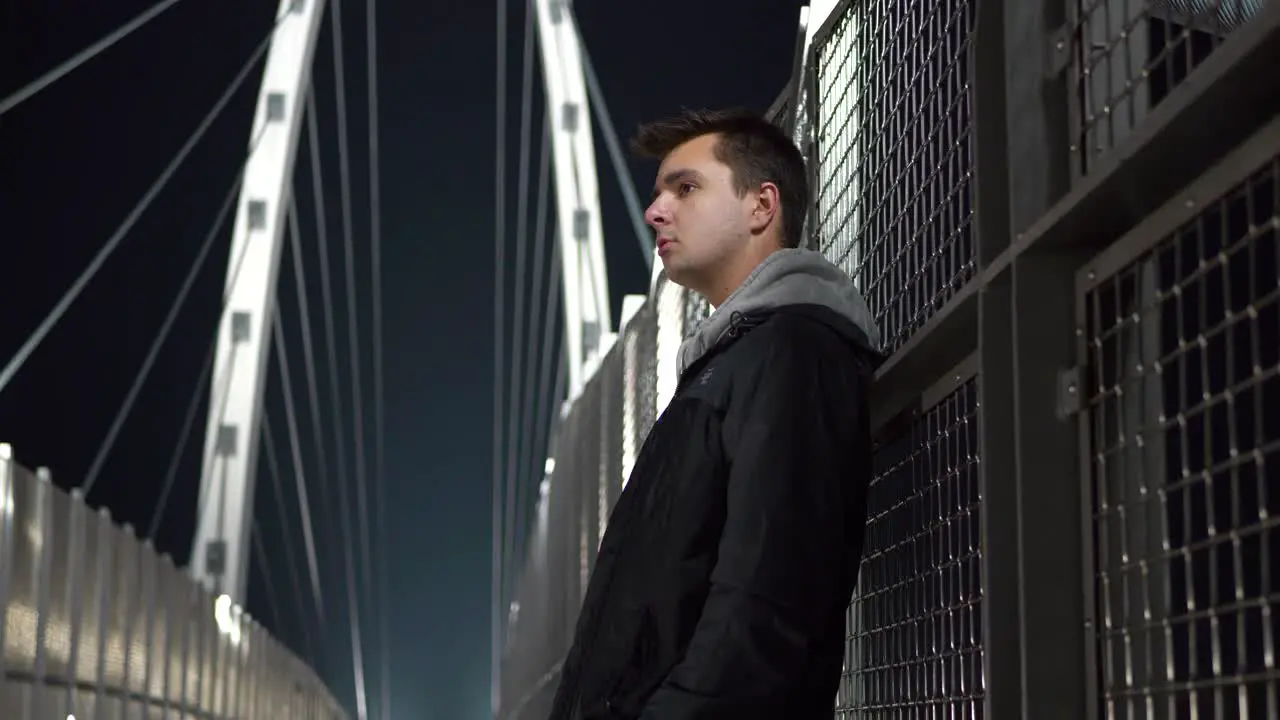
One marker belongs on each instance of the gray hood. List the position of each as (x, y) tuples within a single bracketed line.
[(787, 277)]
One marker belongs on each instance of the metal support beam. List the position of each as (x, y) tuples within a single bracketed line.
[(581, 238), (220, 557)]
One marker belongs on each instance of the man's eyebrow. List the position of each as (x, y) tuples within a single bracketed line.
[(674, 177)]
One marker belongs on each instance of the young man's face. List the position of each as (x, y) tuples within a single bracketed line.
[(700, 220)]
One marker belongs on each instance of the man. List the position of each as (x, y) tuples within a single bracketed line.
[(722, 580)]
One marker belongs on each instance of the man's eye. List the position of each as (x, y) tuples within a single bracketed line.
[(685, 189)]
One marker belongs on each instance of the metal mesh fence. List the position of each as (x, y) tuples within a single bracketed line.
[(97, 625), (895, 156), (915, 625), (1184, 433), (1128, 55), (1160, 539)]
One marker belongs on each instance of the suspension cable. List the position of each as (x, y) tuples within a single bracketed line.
[(193, 405), (353, 346), (304, 503), (55, 315), (308, 354), (548, 406), (277, 489), (530, 361), (379, 452), (157, 516), (499, 314), (558, 391), (517, 343), (140, 378), (75, 61), (335, 396), (260, 551)]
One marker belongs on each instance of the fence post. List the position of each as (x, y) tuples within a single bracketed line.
[(77, 521), (132, 597), (105, 550), (6, 554), (42, 569), (1002, 653)]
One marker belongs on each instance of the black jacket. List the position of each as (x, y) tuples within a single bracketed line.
[(722, 580)]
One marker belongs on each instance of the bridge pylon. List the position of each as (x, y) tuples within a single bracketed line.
[(220, 558), (585, 280)]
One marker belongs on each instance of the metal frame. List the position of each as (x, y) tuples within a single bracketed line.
[(229, 463), (823, 17), (586, 283), (1183, 206), (7, 474)]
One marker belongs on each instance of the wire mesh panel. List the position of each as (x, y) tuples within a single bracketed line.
[(640, 383), (1183, 426), (671, 311), (914, 628), (696, 309), (611, 427), (895, 155), (1130, 54)]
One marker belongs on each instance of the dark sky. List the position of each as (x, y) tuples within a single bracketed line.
[(75, 159)]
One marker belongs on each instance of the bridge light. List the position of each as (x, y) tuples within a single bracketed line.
[(225, 614)]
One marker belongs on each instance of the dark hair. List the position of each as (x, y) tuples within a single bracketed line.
[(755, 150)]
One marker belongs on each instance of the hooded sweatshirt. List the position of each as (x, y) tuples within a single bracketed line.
[(785, 278)]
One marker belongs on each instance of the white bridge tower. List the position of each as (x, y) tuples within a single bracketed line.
[(225, 509), (586, 284)]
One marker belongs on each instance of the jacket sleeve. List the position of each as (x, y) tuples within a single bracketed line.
[(790, 434)]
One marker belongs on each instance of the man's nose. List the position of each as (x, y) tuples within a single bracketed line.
[(656, 215)]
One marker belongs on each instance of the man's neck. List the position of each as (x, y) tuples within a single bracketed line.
[(737, 271)]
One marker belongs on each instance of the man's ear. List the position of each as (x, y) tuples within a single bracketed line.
[(768, 205)]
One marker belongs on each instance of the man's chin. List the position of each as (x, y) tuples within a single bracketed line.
[(674, 271)]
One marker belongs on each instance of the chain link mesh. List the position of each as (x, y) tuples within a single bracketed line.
[(1183, 402), (914, 628), (895, 150)]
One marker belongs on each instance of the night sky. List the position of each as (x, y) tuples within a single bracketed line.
[(75, 159)]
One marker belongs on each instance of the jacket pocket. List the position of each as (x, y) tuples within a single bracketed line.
[(641, 676)]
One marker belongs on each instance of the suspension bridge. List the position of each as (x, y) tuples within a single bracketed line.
[(1072, 513)]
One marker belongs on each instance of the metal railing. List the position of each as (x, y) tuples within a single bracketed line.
[(99, 625), (1065, 217)]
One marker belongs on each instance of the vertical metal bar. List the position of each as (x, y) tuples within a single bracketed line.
[(77, 520), (42, 571), (1002, 652), (202, 606), (230, 646), (148, 569), (248, 703), (231, 675), (146, 559), (184, 627), (990, 128), (7, 473), (235, 708), (1073, 46), (1036, 112), (1048, 479), (132, 587), (105, 547), (1001, 619), (1089, 625)]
